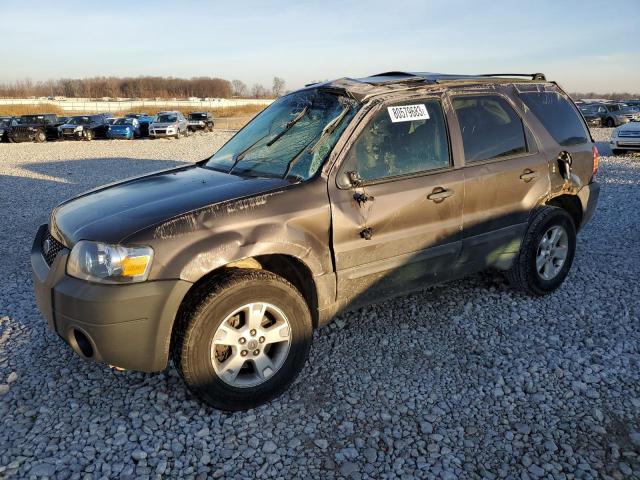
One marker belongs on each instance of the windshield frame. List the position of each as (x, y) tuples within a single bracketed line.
[(349, 111)]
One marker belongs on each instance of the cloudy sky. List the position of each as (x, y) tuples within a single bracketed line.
[(581, 44)]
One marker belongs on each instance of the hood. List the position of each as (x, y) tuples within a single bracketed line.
[(70, 125), (112, 213), (164, 124), (121, 127), (630, 126)]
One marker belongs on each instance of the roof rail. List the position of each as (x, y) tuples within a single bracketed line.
[(534, 76)]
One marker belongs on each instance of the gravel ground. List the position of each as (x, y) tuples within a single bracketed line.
[(466, 380)]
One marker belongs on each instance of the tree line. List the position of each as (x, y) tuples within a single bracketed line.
[(140, 87)]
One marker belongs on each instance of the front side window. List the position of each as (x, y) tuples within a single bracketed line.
[(400, 140), (289, 139), (557, 115), (490, 128)]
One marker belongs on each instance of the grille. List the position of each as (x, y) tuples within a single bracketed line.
[(50, 248), (629, 133), (161, 132)]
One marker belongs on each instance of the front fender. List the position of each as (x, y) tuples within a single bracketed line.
[(232, 250)]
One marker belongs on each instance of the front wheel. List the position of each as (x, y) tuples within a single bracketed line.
[(610, 123), (41, 137), (242, 339), (546, 253), (88, 135)]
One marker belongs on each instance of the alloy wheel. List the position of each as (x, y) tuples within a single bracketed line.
[(552, 252), (251, 345)]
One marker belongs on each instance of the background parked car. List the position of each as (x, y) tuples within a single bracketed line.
[(590, 114), (615, 114), (128, 128), (624, 138), (34, 128), (169, 124), (5, 125), (86, 127), (201, 121)]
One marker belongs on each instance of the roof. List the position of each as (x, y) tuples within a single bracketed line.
[(387, 82)]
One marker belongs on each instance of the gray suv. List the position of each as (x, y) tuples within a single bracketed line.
[(335, 196), (169, 124)]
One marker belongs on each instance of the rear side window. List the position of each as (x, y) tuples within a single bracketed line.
[(557, 115), (490, 128), (401, 140)]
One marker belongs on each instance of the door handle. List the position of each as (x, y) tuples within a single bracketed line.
[(528, 175), (439, 194)]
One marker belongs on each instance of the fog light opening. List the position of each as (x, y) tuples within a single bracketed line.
[(83, 343)]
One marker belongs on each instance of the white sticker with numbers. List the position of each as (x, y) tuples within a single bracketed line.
[(408, 113)]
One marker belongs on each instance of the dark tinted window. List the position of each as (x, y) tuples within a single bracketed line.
[(388, 149), (490, 128), (558, 116)]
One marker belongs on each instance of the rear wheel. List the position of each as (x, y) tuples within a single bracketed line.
[(610, 123), (242, 339), (546, 253)]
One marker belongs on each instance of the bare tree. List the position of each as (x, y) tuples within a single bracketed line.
[(278, 86), (258, 91), (239, 88)]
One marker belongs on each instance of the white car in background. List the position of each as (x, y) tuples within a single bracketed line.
[(625, 137), (169, 124)]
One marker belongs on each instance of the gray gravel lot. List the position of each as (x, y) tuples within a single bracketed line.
[(465, 380)]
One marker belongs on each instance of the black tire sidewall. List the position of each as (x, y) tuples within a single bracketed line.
[(559, 217), (199, 372)]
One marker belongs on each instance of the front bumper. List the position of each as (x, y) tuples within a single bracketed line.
[(588, 196), (76, 135), (625, 143), (128, 326), (112, 134)]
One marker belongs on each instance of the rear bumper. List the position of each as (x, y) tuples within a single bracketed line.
[(589, 195), (128, 326)]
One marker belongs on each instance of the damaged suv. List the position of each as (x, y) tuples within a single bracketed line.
[(338, 195)]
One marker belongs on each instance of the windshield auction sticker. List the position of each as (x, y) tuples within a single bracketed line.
[(407, 113)]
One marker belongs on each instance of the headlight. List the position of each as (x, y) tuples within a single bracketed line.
[(103, 263)]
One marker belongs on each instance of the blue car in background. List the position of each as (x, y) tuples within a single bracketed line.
[(128, 128), (145, 120)]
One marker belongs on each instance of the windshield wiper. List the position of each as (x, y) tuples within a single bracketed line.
[(329, 129), (244, 153), (289, 125), (326, 132)]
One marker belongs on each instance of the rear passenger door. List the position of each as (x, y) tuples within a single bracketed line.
[(399, 227), (505, 175)]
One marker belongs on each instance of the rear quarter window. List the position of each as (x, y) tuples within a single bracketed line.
[(558, 116)]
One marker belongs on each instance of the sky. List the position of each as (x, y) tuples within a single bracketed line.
[(582, 44)]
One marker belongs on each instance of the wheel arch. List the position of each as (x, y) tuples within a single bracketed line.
[(287, 266), (571, 204)]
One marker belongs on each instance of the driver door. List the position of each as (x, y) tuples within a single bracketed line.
[(396, 204)]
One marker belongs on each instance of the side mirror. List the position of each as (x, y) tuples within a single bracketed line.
[(353, 179)]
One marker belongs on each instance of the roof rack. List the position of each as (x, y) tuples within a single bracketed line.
[(398, 76), (533, 76)]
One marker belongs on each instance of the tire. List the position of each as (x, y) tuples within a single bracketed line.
[(524, 274), (88, 135), (41, 137), (211, 306), (610, 123), (177, 134)]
